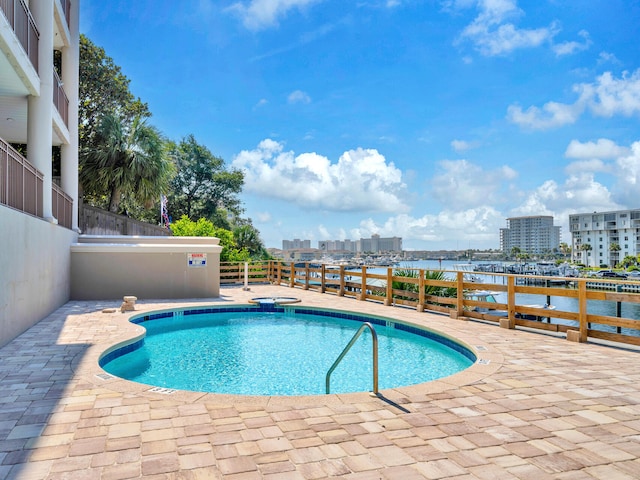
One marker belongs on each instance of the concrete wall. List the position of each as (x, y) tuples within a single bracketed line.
[(110, 267), (34, 270)]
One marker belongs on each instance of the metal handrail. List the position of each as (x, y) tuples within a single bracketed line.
[(374, 337)]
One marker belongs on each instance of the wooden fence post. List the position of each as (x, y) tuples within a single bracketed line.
[(459, 295), (341, 289), (511, 304), (292, 275), (363, 285), (389, 296), (420, 305)]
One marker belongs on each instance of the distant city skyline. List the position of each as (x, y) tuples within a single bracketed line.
[(430, 121)]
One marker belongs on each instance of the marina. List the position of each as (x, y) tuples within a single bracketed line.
[(578, 310)]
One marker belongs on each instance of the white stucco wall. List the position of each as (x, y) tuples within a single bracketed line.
[(35, 270)]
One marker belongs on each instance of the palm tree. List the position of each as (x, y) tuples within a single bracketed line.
[(126, 159), (586, 247), (614, 248), (565, 249)]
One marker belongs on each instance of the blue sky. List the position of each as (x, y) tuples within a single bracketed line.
[(433, 120)]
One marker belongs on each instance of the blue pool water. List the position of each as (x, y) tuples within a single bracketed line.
[(286, 351)]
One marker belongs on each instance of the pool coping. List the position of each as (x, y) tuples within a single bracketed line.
[(489, 359)]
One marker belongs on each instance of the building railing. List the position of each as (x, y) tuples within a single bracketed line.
[(60, 99), (447, 296), (66, 9), (20, 182), (62, 207), (21, 187), (24, 26)]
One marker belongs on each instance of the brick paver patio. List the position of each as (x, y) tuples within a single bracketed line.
[(536, 407)]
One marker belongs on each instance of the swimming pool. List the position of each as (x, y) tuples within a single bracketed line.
[(279, 350)]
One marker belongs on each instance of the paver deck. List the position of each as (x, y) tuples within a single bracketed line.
[(536, 407)]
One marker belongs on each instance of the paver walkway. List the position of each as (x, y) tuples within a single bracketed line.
[(537, 407)]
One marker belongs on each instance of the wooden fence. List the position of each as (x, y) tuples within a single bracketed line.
[(447, 296)]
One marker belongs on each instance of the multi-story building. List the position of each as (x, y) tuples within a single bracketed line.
[(39, 63), (377, 244), (295, 244), (338, 246), (533, 235), (604, 238)]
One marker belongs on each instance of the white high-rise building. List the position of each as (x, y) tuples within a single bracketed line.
[(604, 238), (533, 235), (295, 244)]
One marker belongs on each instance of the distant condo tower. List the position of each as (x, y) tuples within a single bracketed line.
[(534, 235)]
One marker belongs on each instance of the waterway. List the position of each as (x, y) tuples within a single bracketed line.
[(594, 307)]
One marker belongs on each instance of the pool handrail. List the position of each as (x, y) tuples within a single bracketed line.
[(374, 337)]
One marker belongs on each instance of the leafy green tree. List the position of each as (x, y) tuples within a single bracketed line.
[(202, 186), (247, 236), (565, 249), (103, 89), (629, 261), (204, 228), (126, 159)]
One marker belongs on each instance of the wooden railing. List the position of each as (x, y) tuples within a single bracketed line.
[(20, 182), (24, 26), (447, 296)]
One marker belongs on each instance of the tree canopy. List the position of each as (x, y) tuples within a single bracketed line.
[(126, 164), (126, 159), (103, 89), (203, 186), (231, 252)]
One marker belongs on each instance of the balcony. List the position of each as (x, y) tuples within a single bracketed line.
[(21, 188), (60, 99), (24, 27)]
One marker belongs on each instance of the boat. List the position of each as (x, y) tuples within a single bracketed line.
[(468, 269), (489, 297), (485, 296)]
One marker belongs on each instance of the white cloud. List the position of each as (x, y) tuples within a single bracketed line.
[(606, 97), (264, 217), (361, 180), (460, 146), (262, 102), (602, 148), (569, 48), (491, 35), (298, 96), (592, 165), (551, 115), (627, 170), (479, 225), (260, 14), (460, 184), (606, 57), (610, 96)]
